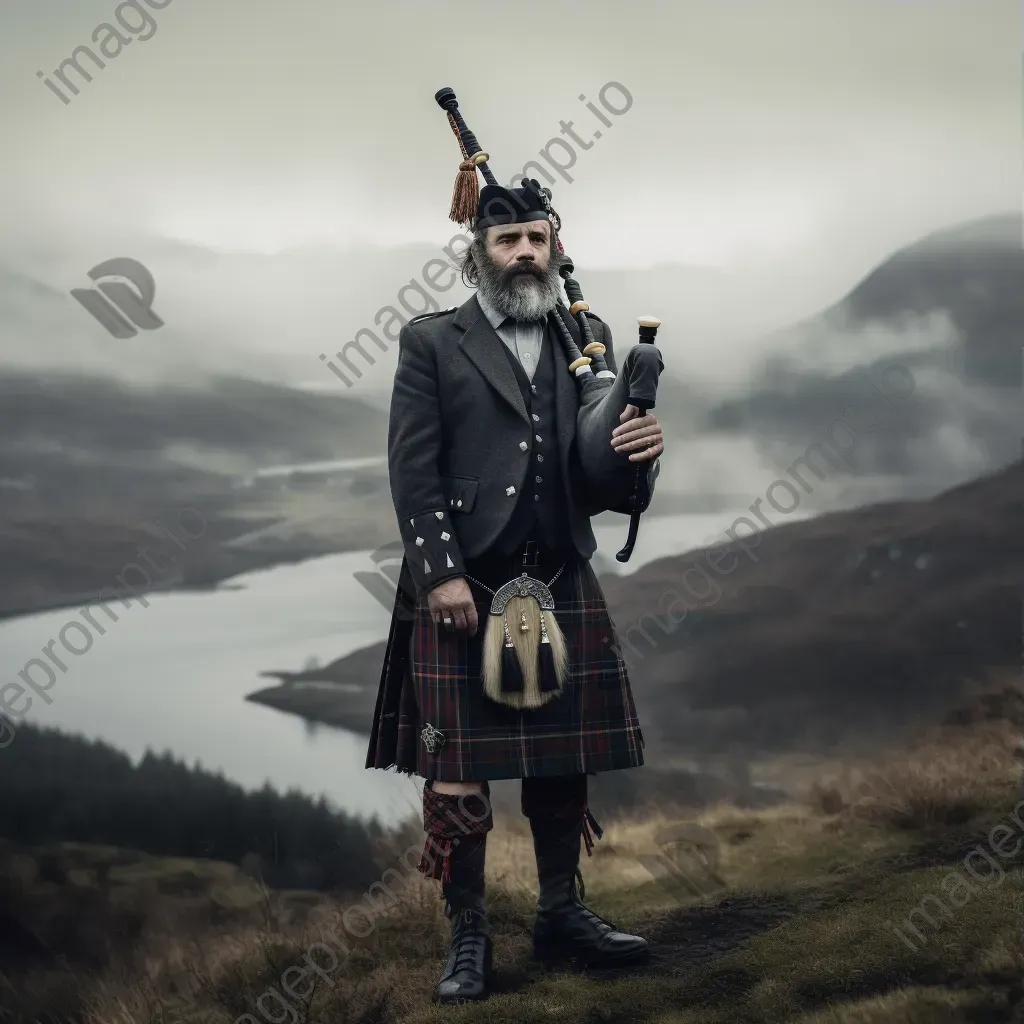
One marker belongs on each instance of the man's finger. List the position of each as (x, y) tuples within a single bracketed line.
[(625, 426), (459, 616), (640, 439), (646, 454), (472, 619), (633, 435)]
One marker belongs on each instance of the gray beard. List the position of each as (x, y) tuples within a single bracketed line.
[(526, 297)]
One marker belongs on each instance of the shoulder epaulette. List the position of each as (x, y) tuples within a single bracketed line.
[(430, 316)]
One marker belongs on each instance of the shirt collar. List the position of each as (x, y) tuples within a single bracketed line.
[(495, 318)]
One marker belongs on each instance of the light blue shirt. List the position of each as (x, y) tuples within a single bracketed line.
[(523, 338)]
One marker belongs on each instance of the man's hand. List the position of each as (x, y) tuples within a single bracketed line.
[(640, 435), (453, 600)]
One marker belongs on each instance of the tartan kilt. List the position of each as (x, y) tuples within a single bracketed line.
[(432, 677)]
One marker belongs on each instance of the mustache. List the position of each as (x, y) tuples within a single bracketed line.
[(525, 267)]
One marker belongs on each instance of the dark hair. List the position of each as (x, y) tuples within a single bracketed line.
[(468, 259)]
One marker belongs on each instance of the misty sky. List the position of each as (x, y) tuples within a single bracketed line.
[(762, 134)]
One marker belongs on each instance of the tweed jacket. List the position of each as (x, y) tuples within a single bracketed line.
[(460, 441)]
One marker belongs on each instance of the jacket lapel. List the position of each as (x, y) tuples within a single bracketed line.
[(483, 346)]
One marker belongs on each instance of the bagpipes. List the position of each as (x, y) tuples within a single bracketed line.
[(623, 486), (524, 667)]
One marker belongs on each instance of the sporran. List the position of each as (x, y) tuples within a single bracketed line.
[(525, 657)]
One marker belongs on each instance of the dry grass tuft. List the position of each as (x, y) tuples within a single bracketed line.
[(946, 780)]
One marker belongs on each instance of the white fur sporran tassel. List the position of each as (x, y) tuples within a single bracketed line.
[(541, 627)]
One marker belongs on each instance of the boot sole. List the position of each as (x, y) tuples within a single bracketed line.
[(558, 957)]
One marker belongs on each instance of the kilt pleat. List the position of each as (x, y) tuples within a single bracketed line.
[(590, 727)]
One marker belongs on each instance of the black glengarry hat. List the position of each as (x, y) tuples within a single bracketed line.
[(499, 205)]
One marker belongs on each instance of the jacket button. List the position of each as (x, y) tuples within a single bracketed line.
[(536, 418), (510, 491), (536, 497), (539, 438), (458, 504), (539, 479), (533, 388), (523, 445), (540, 458)]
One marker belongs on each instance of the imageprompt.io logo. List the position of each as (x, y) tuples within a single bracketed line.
[(383, 584), (120, 307), (686, 864)]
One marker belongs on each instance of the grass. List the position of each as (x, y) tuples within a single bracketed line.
[(791, 918)]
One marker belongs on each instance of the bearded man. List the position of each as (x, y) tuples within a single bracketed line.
[(489, 487)]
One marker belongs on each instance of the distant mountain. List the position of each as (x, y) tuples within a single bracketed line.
[(260, 423), (847, 626), (929, 343)]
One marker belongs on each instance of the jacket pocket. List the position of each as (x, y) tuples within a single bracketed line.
[(459, 492)]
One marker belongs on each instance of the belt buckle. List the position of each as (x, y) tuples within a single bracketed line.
[(531, 555)]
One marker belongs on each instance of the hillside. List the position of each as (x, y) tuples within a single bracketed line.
[(948, 313), (835, 908), (88, 465), (847, 627)]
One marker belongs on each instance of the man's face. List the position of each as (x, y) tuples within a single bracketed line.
[(520, 248), (517, 274)]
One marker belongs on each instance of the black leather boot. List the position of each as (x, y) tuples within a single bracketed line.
[(467, 971), (455, 852), (564, 928)]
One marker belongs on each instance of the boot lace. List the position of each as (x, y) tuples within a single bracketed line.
[(579, 891), (466, 942)]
